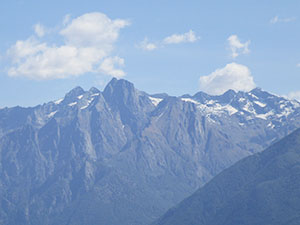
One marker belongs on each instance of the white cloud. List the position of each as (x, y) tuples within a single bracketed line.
[(298, 65), (93, 29), (294, 95), (233, 76), (276, 19), (146, 45), (237, 47), (88, 44), (39, 30), (188, 37), (23, 49), (55, 62), (181, 38), (108, 66)]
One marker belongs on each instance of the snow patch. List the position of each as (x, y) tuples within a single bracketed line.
[(210, 102), (249, 108), (282, 106), (296, 104), (88, 103), (51, 114), (217, 109), (252, 95), (58, 101), (155, 101), (242, 99), (72, 104), (287, 111), (189, 100), (260, 104), (80, 96), (231, 110), (265, 116)]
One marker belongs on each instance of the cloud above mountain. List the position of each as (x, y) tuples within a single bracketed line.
[(233, 76), (87, 45), (237, 47)]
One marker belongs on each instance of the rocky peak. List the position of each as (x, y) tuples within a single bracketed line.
[(74, 93), (120, 90), (94, 90)]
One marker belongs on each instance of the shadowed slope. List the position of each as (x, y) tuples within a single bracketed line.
[(258, 190)]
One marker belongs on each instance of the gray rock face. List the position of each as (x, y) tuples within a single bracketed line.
[(261, 189), (122, 156)]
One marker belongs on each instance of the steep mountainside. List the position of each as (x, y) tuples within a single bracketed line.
[(261, 189), (122, 156)]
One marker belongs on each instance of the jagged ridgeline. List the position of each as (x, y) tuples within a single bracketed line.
[(123, 156), (261, 189)]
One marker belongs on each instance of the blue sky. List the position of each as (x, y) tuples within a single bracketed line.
[(177, 47)]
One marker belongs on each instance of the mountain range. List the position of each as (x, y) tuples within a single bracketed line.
[(122, 156)]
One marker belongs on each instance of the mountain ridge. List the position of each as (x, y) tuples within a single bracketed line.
[(135, 155)]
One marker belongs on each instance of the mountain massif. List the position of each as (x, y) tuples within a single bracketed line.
[(258, 190), (122, 156)]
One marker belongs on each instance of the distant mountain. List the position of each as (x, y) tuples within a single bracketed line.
[(123, 156), (258, 190)]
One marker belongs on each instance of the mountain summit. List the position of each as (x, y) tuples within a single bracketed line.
[(123, 156)]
